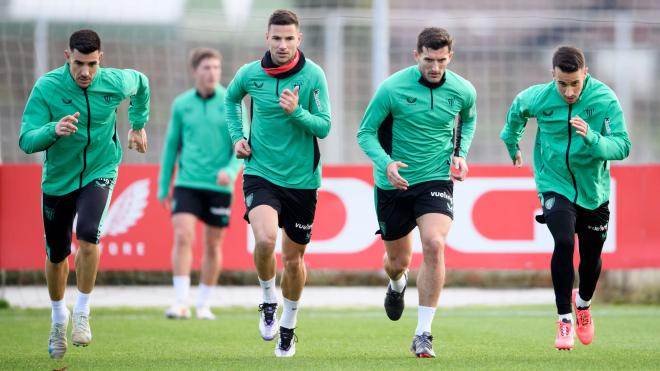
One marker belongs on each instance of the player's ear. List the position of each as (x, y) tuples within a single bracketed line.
[(67, 54), (100, 56), (416, 55)]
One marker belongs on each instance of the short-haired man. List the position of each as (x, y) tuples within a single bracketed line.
[(204, 184), (71, 116), (580, 130), (409, 133), (290, 111)]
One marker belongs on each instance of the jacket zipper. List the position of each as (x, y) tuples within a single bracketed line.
[(277, 88), (568, 148), (89, 138)]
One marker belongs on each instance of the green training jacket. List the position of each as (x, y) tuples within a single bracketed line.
[(198, 135), (284, 146), (413, 121), (564, 162), (93, 151)]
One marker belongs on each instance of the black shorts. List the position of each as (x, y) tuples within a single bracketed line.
[(398, 210), (211, 207), (295, 207), (89, 202), (584, 220)]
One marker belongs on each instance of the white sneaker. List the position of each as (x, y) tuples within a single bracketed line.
[(268, 321), (57, 339), (286, 343), (178, 311), (81, 335), (205, 313)]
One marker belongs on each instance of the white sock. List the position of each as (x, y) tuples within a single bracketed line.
[(82, 304), (581, 303), (59, 313), (268, 290), (568, 317), (424, 319), (181, 289), (289, 314), (204, 295), (399, 284)]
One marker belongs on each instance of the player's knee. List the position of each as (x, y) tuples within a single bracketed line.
[(57, 255), (265, 241), (183, 237), (398, 262), (292, 262), (88, 232), (433, 246), (564, 242)]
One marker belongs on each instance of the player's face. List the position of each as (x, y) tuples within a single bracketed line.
[(283, 42), (83, 67), (432, 63), (569, 84), (207, 74)]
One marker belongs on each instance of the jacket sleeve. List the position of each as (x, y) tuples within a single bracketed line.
[(316, 120), (235, 164), (234, 112), (516, 120), (466, 125), (136, 86), (367, 136), (613, 143), (171, 146), (37, 128)]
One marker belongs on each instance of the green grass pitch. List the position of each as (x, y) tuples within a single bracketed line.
[(504, 338)]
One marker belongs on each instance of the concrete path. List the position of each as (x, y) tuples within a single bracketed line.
[(249, 296)]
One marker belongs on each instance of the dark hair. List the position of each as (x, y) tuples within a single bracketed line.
[(197, 55), (568, 59), (85, 41), (434, 38), (283, 17)]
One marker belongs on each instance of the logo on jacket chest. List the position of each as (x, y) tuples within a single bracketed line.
[(66, 101), (258, 84), (107, 98), (588, 112), (411, 100)]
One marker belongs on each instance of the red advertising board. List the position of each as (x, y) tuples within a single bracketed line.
[(493, 227)]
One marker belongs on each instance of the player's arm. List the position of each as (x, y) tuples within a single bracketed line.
[(516, 120), (464, 134), (613, 143), (171, 146), (135, 85), (235, 164), (37, 128), (316, 120), (367, 135), (234, 111)]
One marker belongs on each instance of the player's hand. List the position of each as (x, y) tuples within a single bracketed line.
[(242, 149), (581, 127), (393, 175), (518, 161), (137, 139), (459, 170), (223, 178), (167, 202), (289, 99), (65, 126)]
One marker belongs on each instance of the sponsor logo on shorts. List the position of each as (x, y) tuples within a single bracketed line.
[(382, 227), (219, 210), (597, 228), (304, 227), (248, 199), (549, 203), (442, 194)]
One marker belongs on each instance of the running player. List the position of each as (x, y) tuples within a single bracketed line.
[(580, 129), (409, 133), (71, 116), (290, 111), (206, 172)]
